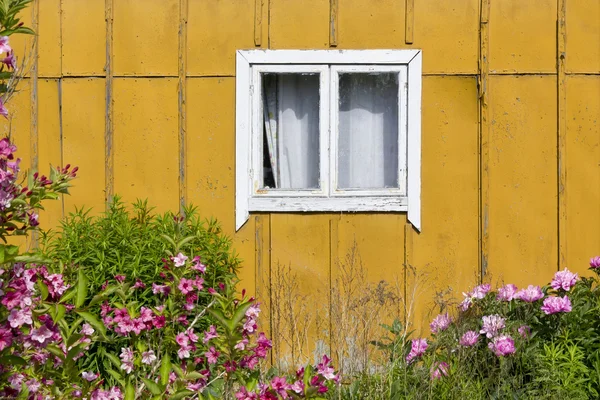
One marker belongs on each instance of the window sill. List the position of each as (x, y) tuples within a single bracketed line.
[(325, 204)]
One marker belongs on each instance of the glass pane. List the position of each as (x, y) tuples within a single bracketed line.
[(368, 130), (291, 130)]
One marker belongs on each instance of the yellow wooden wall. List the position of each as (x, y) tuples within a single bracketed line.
[(140, 95)]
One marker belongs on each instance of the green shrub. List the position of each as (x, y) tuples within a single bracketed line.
[(132, 242)]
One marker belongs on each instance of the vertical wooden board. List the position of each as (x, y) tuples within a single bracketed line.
[(363, 25), (145, 141), (83, 37), (210, 152), (298, 24), (583, 171), (583, 33), (83, 108), (523, 236), (244, 244), (49, 149), (448, 34), (523, 36), (22, 45), (300, 252), (445, 253), (216, 29), (145, 37), (49, 37)]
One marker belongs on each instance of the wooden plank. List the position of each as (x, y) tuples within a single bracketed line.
[(409, 21), (583, 31), (445, 253), (333, 22), (83, 37), (363, 26), (210, 171), (561, 53), (484, 136), (50, 142), (300, 276), (145, 141), (523, 35), (216, 29), (181, 97), (109, 157), (49, 37), (147, 37), (299, 24), (523, 191), (583, 171), (83, 109), (258, 22), (447, 32)]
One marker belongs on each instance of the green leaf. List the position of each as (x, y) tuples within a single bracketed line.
[(12, 360), (43, 289), (93, 321), (68, 295), (113, 359), (5, 74), (73, 338), (32, 258), (82, 288), (129, 392), (116, 376), (75, 350), (153, 387), (59, 313), (56, 351), (221, 318), (192, 376), (165, 369), (181, 394)]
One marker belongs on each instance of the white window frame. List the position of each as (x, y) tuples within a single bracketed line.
[(250, 197)]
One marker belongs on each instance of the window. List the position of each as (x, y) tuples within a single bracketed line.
[(328, 131)]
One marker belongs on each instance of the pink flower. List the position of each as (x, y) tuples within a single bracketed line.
[(126, 354), (179, 260), (138, 326), (86, 329), (41, 334), (184, 351), (241, 345), (418, 348), (120, 278), (243, 394), (469, 338), (253, 311), (139, 284), (595, 262), (524, 331), (163, 289), (492, 324), (10, 61), (33, 385), (16, 380), (502, 345), (159, 321), (18, 318), (148, 357), (212, 355), (439, 369), (250, 325), (507, 293), (298, 387), (4, 46), (564, 279), (531, 294), (440, 323), (186, 285), (478, 292), (146, 314), (182, 339), (553, 305), (191, 335), (280, 385), (89, 376), (325, 369)]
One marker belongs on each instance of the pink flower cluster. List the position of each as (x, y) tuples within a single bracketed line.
[(478, 293), (502, 345), (530, 294), (595, 262), (440, 323), (439, 369), (507, 293), (555, 304), (113, 393), (469, 339), (417, 349), (123, 324), (564, 280), (492, 324)]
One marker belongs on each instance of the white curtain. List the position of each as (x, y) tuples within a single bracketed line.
[(291, 107), (368, 130)]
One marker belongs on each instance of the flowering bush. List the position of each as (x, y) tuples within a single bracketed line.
[(534, 342)]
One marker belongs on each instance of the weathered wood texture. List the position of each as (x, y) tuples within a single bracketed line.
[(141, 95)]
